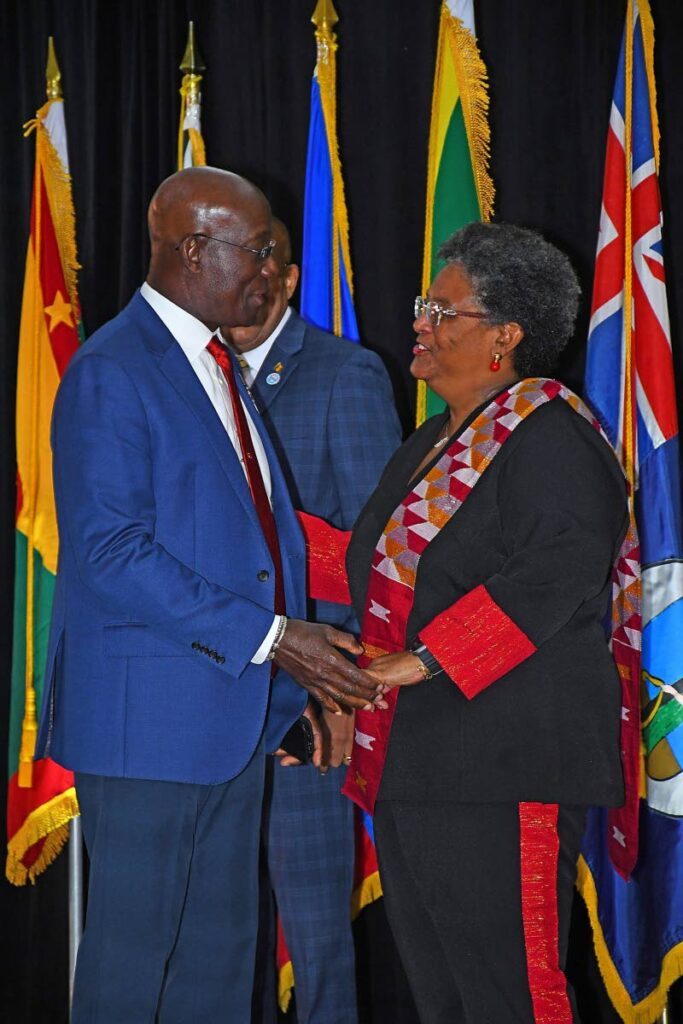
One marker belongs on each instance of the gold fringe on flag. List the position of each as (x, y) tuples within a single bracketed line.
[(473, 81), (190, 95), (369, 890), (324, 17), (650, 1009), (58, 187), (648, 30), (49, 822)]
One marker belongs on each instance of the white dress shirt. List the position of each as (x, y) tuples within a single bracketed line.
[(193, 337)]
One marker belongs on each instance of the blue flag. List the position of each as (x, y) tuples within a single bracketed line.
[(326, 278), (638, 924)]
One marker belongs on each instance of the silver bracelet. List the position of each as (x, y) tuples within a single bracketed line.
[(278, 638)]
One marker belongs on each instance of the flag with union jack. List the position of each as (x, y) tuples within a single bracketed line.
[(638, 924)]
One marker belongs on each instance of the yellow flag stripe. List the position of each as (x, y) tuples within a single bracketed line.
[(37, 382)]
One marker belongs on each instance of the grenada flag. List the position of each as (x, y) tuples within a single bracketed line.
[(41, 797)]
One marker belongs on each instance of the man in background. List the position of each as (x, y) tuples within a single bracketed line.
[(328, 407)]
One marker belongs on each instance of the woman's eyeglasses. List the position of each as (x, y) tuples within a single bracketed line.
[(434, 311)]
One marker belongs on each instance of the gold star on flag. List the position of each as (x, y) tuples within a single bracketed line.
[(59, 312)]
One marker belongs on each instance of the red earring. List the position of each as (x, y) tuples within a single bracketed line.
[(495, 363)]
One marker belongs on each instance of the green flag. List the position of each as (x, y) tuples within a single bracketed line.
[(459, 188)]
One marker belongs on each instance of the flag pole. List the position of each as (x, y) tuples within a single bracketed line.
[(192, 66), (75, 898), (53, 77)]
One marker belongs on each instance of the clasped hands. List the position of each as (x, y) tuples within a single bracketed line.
[(310, 654)]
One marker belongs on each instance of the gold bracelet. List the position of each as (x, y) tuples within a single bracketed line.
[(426, 674)]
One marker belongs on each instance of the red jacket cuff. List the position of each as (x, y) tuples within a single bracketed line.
[(325, 557), (475, 642)]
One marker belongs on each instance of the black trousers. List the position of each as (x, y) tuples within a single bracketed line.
[(462, 901)]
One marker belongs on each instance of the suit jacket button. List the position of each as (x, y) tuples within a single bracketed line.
[(195, 646), (220, 659), (262, 575)]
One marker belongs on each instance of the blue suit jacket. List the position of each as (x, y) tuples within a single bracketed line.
[(332, 419), (165, 585)]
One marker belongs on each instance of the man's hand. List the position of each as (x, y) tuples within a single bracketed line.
[(308, 653), (401, 669), (287, 760), (337, 739)]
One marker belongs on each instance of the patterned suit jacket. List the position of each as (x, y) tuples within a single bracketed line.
[(333, 423)]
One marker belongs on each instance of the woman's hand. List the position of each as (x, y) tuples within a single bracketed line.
[(401, 669)]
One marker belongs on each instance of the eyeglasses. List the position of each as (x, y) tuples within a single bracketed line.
[(260, 254), (433, 311)]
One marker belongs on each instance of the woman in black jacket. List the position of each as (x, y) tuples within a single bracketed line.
[(481, 570)]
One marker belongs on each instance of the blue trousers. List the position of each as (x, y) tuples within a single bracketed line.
[(309, 853), (172, 912)]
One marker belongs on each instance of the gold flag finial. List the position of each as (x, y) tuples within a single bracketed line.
[(192, 61), (325, 18), (53, 75), (324, 15)]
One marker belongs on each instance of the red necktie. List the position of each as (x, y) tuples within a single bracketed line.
[(256, 485)]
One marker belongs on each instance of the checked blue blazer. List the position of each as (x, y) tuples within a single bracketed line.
[(332, 420)]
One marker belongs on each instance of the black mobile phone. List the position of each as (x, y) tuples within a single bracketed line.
[(298, 740)]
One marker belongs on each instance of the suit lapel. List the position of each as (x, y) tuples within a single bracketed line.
[(285, 351), (174, 365)]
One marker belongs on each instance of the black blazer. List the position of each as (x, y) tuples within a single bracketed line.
[(540, 531)]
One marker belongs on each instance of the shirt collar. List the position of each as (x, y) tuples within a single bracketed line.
[(191, 334), (257, 356)]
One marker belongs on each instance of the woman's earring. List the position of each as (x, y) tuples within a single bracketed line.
[(495, 363)]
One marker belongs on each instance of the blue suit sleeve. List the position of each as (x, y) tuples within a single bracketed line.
[(104, 488)]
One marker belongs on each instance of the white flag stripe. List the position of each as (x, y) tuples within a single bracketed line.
[(56, 128), (463, 9), (616, 123), (644, 171), (645, 410), (608, 309)]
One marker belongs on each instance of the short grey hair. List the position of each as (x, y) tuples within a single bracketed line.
[(517, 276)]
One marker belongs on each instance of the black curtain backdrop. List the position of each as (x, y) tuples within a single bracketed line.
[(551, 66)]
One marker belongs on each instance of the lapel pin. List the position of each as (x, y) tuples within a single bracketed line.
[(279, 367), (272, 378)]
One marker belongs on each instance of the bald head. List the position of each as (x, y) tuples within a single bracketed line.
[(283, 248), (192, 217), (281, 287)]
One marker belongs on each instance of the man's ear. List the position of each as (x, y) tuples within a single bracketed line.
[(191, 253), (291, 279)]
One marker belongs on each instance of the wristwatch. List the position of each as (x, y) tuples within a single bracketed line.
[(429, 662)]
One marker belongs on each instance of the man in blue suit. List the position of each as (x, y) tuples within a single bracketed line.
[(329, 409), (180, 587)]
